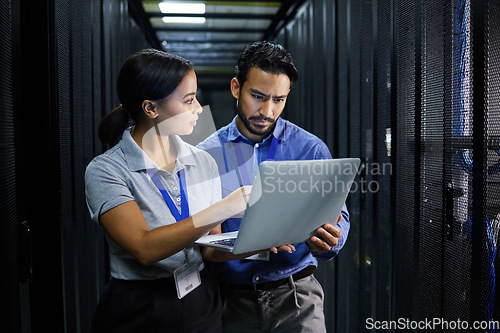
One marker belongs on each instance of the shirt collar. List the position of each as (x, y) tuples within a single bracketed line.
[(138, 160), (279, 131)]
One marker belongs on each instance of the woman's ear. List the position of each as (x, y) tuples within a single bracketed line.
[(235, 88), (149, 108)]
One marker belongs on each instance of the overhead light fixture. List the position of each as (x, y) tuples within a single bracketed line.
[(181, 8), (181, 19)]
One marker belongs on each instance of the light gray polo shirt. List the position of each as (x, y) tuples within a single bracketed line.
[(121, 174)]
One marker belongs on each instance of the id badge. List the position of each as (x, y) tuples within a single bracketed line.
[(259, 256), (187, 278)]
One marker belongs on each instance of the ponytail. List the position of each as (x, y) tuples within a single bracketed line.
[(112, 126)]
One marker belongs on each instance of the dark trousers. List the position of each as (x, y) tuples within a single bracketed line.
[(153, 306), (296, 307)]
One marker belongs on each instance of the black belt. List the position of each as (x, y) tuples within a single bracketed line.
[(309, 270)]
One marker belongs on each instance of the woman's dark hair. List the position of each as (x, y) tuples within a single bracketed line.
[(268, 56), (147, 74)]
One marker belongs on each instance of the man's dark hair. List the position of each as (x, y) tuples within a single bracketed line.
[(268, 56)]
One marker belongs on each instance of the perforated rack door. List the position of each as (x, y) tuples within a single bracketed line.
[(9, 240)]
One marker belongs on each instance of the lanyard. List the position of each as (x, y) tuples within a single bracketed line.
[(241, 161), (272, 149), (170, 203)]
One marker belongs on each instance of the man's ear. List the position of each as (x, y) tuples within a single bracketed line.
[(149, 108), (235, 88)]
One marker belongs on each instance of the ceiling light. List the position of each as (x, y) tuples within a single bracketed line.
[(181, 19), (181, 8)]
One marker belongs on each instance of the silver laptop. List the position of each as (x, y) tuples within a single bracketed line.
[(289, 201)]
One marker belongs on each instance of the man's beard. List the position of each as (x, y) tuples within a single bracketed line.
[(256, 129)]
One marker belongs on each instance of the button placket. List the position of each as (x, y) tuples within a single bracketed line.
[(173, 184), (255, 165)]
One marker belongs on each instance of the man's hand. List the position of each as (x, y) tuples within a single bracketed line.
[(287, 248), (328, 236)]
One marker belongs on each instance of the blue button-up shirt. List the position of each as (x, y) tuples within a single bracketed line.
[(294, 143)]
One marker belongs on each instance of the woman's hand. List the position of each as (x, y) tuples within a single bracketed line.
[(236, 202)]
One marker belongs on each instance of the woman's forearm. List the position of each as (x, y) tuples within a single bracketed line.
[(128, 228)]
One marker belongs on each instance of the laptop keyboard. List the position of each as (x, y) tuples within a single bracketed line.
[(227, 241)]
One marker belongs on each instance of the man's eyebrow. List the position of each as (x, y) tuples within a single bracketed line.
[(255, 91)]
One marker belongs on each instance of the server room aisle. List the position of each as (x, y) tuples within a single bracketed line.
[(411, 87)]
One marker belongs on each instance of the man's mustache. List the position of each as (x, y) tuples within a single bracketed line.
[(261, 118)]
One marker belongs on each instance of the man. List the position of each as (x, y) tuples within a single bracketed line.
[(279, 293)]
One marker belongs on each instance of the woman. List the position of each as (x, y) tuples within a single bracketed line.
[(154, 195)]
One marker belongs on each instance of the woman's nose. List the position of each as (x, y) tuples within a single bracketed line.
[(198, 108)]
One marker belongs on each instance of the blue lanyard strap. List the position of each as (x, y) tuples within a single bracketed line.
[(241, 165), (170, 203), (272, 149)]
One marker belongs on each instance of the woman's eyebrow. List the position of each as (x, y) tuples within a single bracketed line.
[(189, 94)]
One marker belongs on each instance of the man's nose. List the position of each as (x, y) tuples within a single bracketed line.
[(266, 109)]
